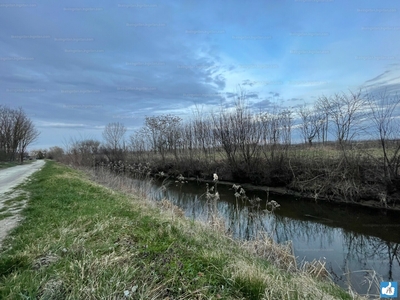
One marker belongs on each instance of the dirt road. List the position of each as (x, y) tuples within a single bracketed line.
[(9, 209)]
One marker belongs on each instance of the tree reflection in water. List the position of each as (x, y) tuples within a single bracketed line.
[(355, 243)]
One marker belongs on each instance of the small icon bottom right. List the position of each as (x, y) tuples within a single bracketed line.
[(388, 289)]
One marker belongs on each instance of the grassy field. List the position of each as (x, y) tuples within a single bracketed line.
[(80, 240), (9, 164)]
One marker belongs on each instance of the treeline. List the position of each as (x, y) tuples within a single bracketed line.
[(16, 133), (247, 146)]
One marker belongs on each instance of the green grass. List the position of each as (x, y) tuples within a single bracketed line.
[(13, 205), (4, 215), (15, 200), (9, 164), (80, 240)]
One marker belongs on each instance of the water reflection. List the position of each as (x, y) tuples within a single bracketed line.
[(352, 240)]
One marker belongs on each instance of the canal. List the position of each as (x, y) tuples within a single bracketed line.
[(357, 243)]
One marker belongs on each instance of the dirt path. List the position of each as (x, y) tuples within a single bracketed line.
[(10, 205)]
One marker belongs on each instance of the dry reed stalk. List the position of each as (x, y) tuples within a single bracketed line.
[(316, 268), (175, 210), (280, 255)]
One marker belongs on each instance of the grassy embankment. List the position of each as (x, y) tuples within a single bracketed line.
[(80, 240)]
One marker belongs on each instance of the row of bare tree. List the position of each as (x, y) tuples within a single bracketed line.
[(16, 133), (241, 130), (257, 146)]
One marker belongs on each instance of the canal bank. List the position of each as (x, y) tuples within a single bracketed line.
[(298, 195), (356, 242), (81, 240)]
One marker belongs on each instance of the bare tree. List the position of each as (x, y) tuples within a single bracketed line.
[(311, 125), (16, 133), (322, 106), (286, 121), (114, 148), (276, 131), (164, 132), (387, 125), (246, 131), (202, 127), (113, 134), (188, 139), (28, 134), (82, 152), (6, 129), (138, 142), (55, 153), (224, 133), (345, 112)]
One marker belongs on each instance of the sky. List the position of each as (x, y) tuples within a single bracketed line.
[(76, 66)]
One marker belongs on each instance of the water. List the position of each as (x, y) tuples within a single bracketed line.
[(355, 242)]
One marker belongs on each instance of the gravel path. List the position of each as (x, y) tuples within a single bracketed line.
[(10, 178)]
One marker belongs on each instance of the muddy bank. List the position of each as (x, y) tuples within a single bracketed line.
[(303, 195), (334, 182)]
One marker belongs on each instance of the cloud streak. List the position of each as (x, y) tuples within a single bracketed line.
[(89, 63)]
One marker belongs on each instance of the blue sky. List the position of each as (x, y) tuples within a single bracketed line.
[(76, 66)]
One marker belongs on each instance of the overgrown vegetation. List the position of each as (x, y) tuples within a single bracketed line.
[(256, 147), (80, 240)]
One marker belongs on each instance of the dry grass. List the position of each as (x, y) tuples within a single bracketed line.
[(279, 255), (80, 240)]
